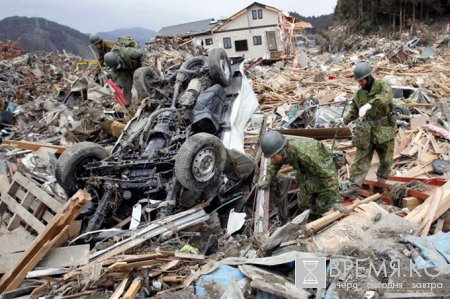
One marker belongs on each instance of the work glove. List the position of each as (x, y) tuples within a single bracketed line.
[(263, 185), (363, 110)]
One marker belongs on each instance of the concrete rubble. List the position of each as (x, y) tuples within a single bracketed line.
[(232, 242)]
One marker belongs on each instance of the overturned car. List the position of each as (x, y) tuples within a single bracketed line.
[(183, 146)]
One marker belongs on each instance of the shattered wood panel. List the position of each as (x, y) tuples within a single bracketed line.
[(57, 257), (45, 241), (28, 205), (15, 240)]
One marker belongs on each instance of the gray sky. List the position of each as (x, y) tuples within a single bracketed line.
[(90, 16)]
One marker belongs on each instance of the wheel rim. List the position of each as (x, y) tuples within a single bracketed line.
[(225, 68), (204, 164), (80, 171)]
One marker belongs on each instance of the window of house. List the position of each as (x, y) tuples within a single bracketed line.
[(208, 41), (227, 42), (259, 13), (254, 14), (257, 40), (241, 45)]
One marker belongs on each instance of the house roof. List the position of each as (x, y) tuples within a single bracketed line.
[(192, 28), (244, 10)]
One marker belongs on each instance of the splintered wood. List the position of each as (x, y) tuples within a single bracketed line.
[(45, 241), (25, 204)]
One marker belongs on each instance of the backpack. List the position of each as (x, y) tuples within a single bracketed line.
[(127, 42)]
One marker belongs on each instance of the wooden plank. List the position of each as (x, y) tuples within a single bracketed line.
[(34, 146), (26, 216), (57, 257), (133, 289), (121, 288), (4, 180), (191, 256), (142, 264), (421, 211), (173, 279), (30, 263), (41, 195), (411, 202), (436, 199), (261, 221), (56, 228), (316, 225), (14, 241), (439, 226), (27, 199), (66, 257)]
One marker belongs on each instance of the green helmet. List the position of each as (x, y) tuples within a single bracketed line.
[(112, 60), (95, 39), (272, 143), (362, 70)]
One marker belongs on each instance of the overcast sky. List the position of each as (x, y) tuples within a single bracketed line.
[(90, 16)]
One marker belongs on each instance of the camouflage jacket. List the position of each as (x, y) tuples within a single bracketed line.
[(313, 162), (382, 126), (130, 58)]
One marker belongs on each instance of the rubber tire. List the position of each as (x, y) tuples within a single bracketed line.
[(142, 78), (73, 158), (193, 63), (185, 158), (216, 73)]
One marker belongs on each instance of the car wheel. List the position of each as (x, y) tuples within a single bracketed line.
[(219, 67), (200, 162), (70, 164), (143, 79)]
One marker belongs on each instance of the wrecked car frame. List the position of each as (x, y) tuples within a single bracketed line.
[(171, 154)]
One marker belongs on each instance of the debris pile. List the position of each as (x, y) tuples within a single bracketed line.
[(228, 239)]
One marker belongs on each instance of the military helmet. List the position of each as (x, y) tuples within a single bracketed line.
[(112, 60), (272, 143), (95, 39), (362, 70)]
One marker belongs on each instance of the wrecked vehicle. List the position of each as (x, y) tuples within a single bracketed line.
[(178, 150)]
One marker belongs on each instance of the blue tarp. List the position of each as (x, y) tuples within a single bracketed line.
[(435, 250)]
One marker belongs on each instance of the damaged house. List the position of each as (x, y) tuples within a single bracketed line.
[(256, 31)]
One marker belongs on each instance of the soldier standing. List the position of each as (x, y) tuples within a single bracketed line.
[(375, 129), (316, 172), (124, 61)]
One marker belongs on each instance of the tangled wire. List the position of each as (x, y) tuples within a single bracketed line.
[(400, 190)]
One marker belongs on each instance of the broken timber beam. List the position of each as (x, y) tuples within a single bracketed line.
[(45, 241), (34, 146), (261, 225), (317, 225)]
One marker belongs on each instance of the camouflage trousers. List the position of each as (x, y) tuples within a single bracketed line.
[(124, 79), (363, 161), (319, 202)]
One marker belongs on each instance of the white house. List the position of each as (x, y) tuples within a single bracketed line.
[(256, 31)]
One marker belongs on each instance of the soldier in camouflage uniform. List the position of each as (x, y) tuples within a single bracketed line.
[(124, 61), (103, 47), (375, 129), (316, 172)]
